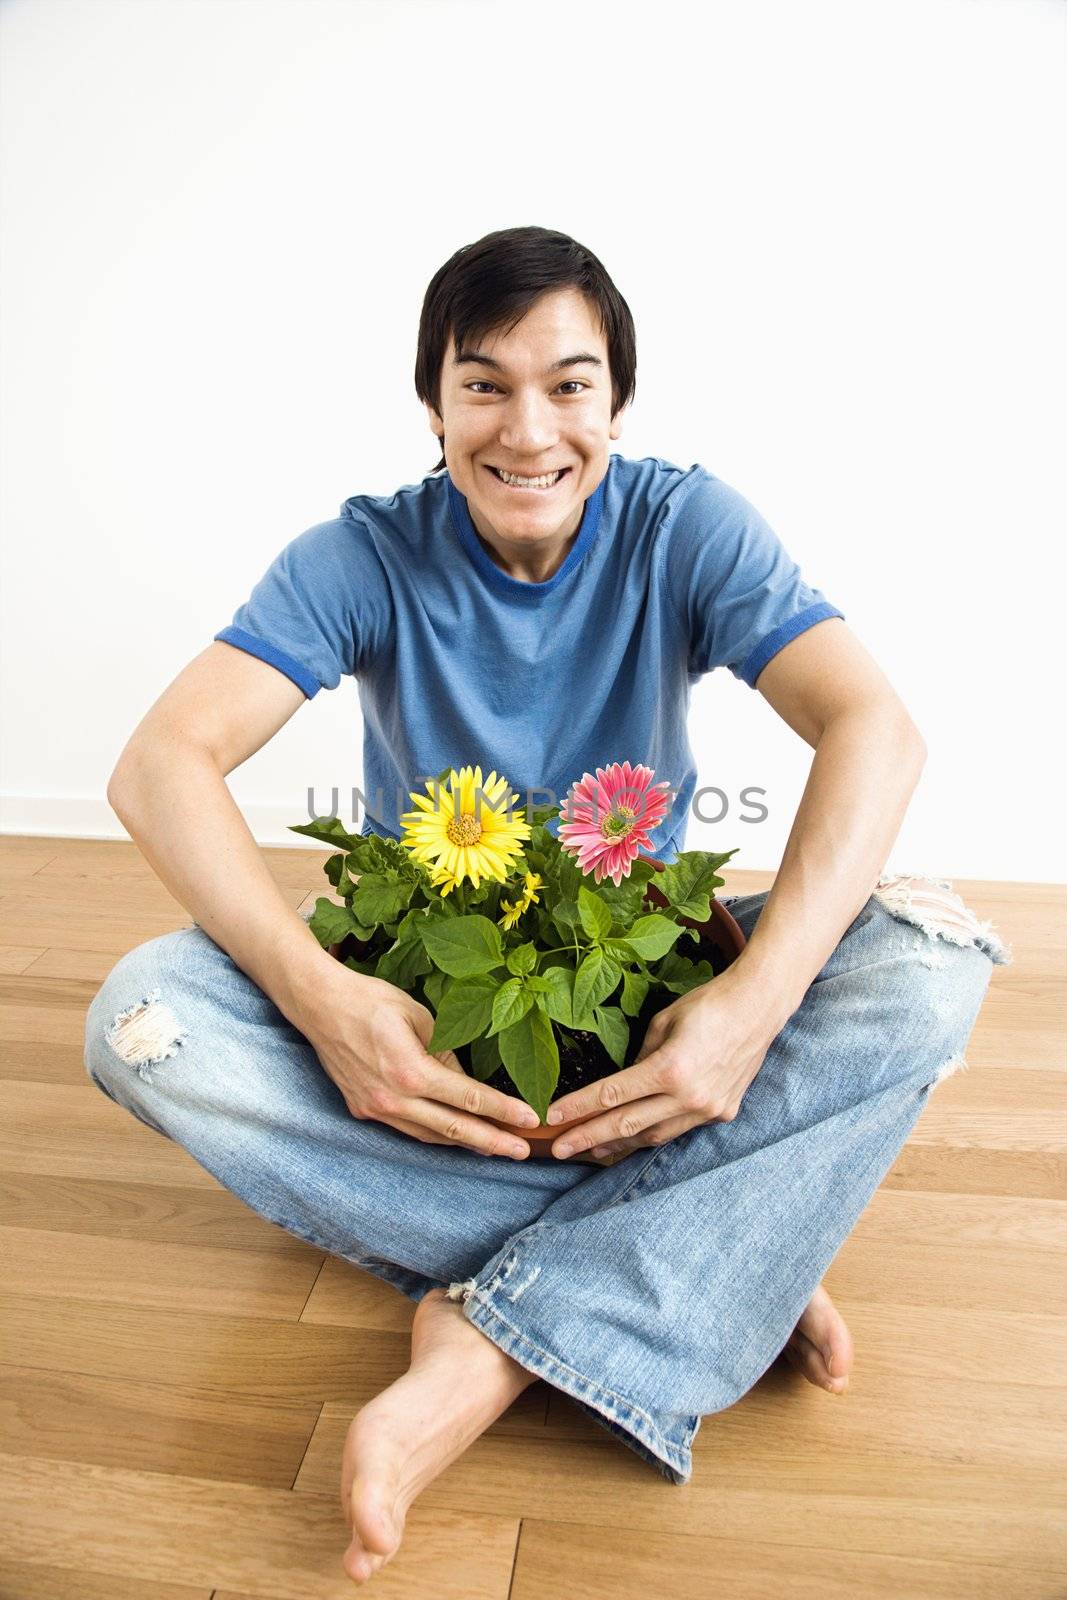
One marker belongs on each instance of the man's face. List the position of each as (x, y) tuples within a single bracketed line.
[(526, 416)]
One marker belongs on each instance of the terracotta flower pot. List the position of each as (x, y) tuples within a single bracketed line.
[(720, 930)]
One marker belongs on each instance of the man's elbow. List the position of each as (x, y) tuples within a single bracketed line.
[(117, 792), (912, 743), (121, 783), (894, 725)]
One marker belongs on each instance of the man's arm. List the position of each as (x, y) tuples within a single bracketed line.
[(169, 790), (868, 758)]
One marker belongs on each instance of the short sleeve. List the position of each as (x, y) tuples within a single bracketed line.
[(739, 592), (319, 611)]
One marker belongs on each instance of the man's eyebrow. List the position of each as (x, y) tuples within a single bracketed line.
[(582, 357)]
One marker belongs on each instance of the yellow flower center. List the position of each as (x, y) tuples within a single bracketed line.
[(618, 824), (465, 829)]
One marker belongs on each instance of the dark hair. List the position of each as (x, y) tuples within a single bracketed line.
[(492, 284)]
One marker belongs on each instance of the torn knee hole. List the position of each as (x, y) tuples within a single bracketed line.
[(146, 1033), (931, 905), (956, 1063)]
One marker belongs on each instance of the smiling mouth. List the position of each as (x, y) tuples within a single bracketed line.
[(529, 488)]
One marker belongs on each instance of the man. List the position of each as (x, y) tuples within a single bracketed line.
[(543, 607)]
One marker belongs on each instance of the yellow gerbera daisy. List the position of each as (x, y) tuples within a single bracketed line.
[(467, 835)]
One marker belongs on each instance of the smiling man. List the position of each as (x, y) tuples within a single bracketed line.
[(544, 605), (529, 432)]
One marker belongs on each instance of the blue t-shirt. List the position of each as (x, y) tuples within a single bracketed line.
[(673, 573)]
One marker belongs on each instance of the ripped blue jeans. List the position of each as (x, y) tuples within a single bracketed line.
[(649, 1319)]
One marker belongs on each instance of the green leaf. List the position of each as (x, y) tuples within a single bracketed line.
[(463, 946), (485, 1058), (464, 1013), (328, 829), (365, 856), (566, 919), (649, 938), (688, 885), (405, 960), (626, 902), (567, 875), (613, 1032), (596, 918), (537, 984), (558, 994), (634, 990), (689, 882), (434, 986), (595, 979), (679, 975), (522, 959), (513, 1000), (380, 898), (366, 967), (330, 923), (531, 1057)]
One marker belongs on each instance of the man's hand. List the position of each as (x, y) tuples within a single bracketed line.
[(698, 1058)]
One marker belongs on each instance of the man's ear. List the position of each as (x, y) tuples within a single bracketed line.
[(436, 420)]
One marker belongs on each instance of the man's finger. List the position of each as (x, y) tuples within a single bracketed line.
[(626, 1123), (477, 1099), (665, 1131), (635, 1083)]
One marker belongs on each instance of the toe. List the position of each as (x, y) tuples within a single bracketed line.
[(810, 1360), (824, 1328), (359, 1563)]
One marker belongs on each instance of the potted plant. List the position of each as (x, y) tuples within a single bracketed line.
[(542, 959)]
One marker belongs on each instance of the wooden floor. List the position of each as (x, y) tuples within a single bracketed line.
[(179, 1374)]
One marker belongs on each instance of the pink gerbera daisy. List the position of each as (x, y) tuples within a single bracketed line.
[(610, 817)]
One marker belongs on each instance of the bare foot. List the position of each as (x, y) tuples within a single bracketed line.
[(820, 1345), (458, 1383)]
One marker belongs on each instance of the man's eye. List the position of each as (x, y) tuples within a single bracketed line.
[(483, 383)]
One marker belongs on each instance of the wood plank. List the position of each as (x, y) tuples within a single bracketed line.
[(26, 920), (20, 1581), (171, 1529), (138, 1272), (17, 958), (150, 1213), (80, 1133), (121, 858), (556, 1558), (945, 1166), (154, 1427), (90, 966)]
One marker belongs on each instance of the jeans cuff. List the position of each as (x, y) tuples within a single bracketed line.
[(664, 1442)]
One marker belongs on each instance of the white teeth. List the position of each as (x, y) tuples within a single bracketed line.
[(528, 483)]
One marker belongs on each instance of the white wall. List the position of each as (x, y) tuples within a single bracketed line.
[(840, 229)]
